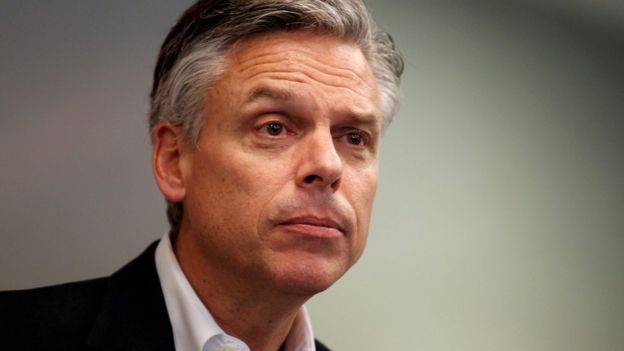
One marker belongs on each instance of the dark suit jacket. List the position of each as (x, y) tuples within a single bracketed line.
[(125, 311)]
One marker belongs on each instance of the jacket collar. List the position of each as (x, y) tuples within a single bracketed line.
[(133, 314)]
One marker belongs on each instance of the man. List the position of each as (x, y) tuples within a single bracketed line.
[(265, 121)]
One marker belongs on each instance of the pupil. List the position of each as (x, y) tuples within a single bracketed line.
[(274, 128), (355, 139)]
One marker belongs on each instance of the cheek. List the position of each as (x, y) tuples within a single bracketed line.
[(237, 187), (364, 189), (363, 195)]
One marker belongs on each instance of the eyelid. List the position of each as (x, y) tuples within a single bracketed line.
[(264, 121), (344, 132)]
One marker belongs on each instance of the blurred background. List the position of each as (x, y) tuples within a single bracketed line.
[(499, 219)]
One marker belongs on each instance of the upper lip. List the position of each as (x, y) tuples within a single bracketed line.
[(320, 221)]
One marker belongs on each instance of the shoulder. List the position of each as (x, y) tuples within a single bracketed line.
[(125, 307), (55, 296), (55, 315)]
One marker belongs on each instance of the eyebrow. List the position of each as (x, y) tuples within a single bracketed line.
[(365, 119), (273, 93)]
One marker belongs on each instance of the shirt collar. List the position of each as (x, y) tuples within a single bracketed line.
[(194, 328)]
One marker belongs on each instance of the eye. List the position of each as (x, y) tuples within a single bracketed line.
[(273, 128), (355, 138)]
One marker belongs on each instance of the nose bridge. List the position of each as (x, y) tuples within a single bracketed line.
[(320, 164)]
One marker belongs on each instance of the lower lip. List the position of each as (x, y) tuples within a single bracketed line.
[(312, 230)]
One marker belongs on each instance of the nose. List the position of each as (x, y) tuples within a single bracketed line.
[(320, 165)]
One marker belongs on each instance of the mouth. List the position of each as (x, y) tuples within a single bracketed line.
[(320, 227)]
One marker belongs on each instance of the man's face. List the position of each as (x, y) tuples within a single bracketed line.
[(280, 186)]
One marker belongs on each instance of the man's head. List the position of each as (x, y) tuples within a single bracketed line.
[(266, 118)]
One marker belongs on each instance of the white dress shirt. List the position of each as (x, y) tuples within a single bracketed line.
[(194, 328)]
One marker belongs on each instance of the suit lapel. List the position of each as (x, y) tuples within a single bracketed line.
[(133, 315)]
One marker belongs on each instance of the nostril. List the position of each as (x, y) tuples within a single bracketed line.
[(309, 179)]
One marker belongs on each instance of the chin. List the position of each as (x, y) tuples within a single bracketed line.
[(307, 277)]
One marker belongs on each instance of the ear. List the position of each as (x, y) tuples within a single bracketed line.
[(167, 161)]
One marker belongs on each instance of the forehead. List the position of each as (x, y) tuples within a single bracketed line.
[(298, 44), (298, 61)]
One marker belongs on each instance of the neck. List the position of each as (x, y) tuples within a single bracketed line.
[(249, 310)]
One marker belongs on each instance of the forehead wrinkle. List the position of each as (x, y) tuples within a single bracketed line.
[(300, 77), (298, 64), (294, 56)]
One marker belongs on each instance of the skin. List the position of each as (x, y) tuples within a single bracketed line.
[(278, 191)]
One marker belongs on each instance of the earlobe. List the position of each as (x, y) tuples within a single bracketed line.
[(167, 162)]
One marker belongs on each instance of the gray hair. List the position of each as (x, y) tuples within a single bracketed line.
[(193, 55)]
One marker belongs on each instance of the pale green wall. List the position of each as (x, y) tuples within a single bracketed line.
[(498, 222)]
